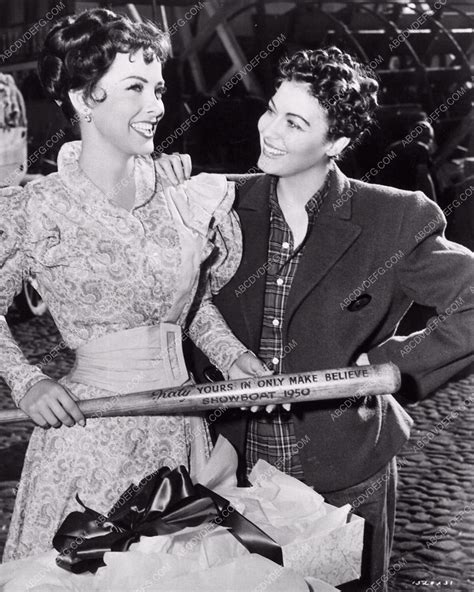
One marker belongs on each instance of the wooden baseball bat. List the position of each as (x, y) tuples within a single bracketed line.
[(302, 387)]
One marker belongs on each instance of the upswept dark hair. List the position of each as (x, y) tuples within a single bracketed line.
[(79, 50), (344, 88)]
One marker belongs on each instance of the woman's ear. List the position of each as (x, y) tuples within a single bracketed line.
[(80, 105), (335, 147)]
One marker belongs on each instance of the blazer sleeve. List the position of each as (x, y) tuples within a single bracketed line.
[(18, 373), (438, 273)]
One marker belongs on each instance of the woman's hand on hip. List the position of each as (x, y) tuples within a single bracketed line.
[(50, 405), (176, 168)]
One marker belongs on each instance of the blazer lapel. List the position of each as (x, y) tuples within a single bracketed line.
[(254, 213), (331, 236)]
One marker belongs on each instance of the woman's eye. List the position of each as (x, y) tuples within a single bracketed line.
[(136, 87), (293, 124), (269, 110), (160, 91)]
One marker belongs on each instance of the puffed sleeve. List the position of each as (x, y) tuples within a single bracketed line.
[(200, 202), (208, 330), (14, 367)]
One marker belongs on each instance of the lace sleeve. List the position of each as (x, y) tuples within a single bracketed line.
[(208, 329), (14, 367)]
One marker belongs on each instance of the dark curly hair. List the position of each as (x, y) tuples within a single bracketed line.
[(344, 88), (79, 50)]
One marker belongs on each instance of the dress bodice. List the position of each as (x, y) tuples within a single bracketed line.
[(101, 268)]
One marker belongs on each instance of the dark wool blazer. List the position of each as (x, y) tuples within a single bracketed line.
[(373, 250)]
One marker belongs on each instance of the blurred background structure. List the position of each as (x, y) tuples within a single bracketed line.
[(422, 53)]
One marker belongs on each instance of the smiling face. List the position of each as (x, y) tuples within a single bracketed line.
[(293, 133), (126, 120)]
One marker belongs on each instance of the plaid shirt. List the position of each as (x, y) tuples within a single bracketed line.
[(272, 436)]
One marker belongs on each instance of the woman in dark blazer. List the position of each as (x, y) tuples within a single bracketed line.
[(330, 266)]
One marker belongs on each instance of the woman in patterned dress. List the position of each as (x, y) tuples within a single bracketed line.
[(116, 252)]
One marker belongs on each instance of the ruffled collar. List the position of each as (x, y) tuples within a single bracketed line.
[(74, 177)]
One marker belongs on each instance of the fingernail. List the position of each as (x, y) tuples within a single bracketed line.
[(82, 422)]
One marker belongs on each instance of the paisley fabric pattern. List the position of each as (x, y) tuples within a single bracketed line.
[(101, 269)]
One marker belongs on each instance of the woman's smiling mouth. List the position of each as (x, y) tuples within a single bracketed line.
[(144, 128), (271, 151)]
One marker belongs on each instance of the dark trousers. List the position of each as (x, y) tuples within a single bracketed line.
[(374, 500)]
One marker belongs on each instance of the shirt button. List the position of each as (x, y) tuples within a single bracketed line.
[(285, 245), (279, 282), (275, 322), (275, 361)]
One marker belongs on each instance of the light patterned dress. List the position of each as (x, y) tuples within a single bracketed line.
[(102, 269)]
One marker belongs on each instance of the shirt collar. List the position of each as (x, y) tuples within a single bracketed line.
[(313, 205)]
